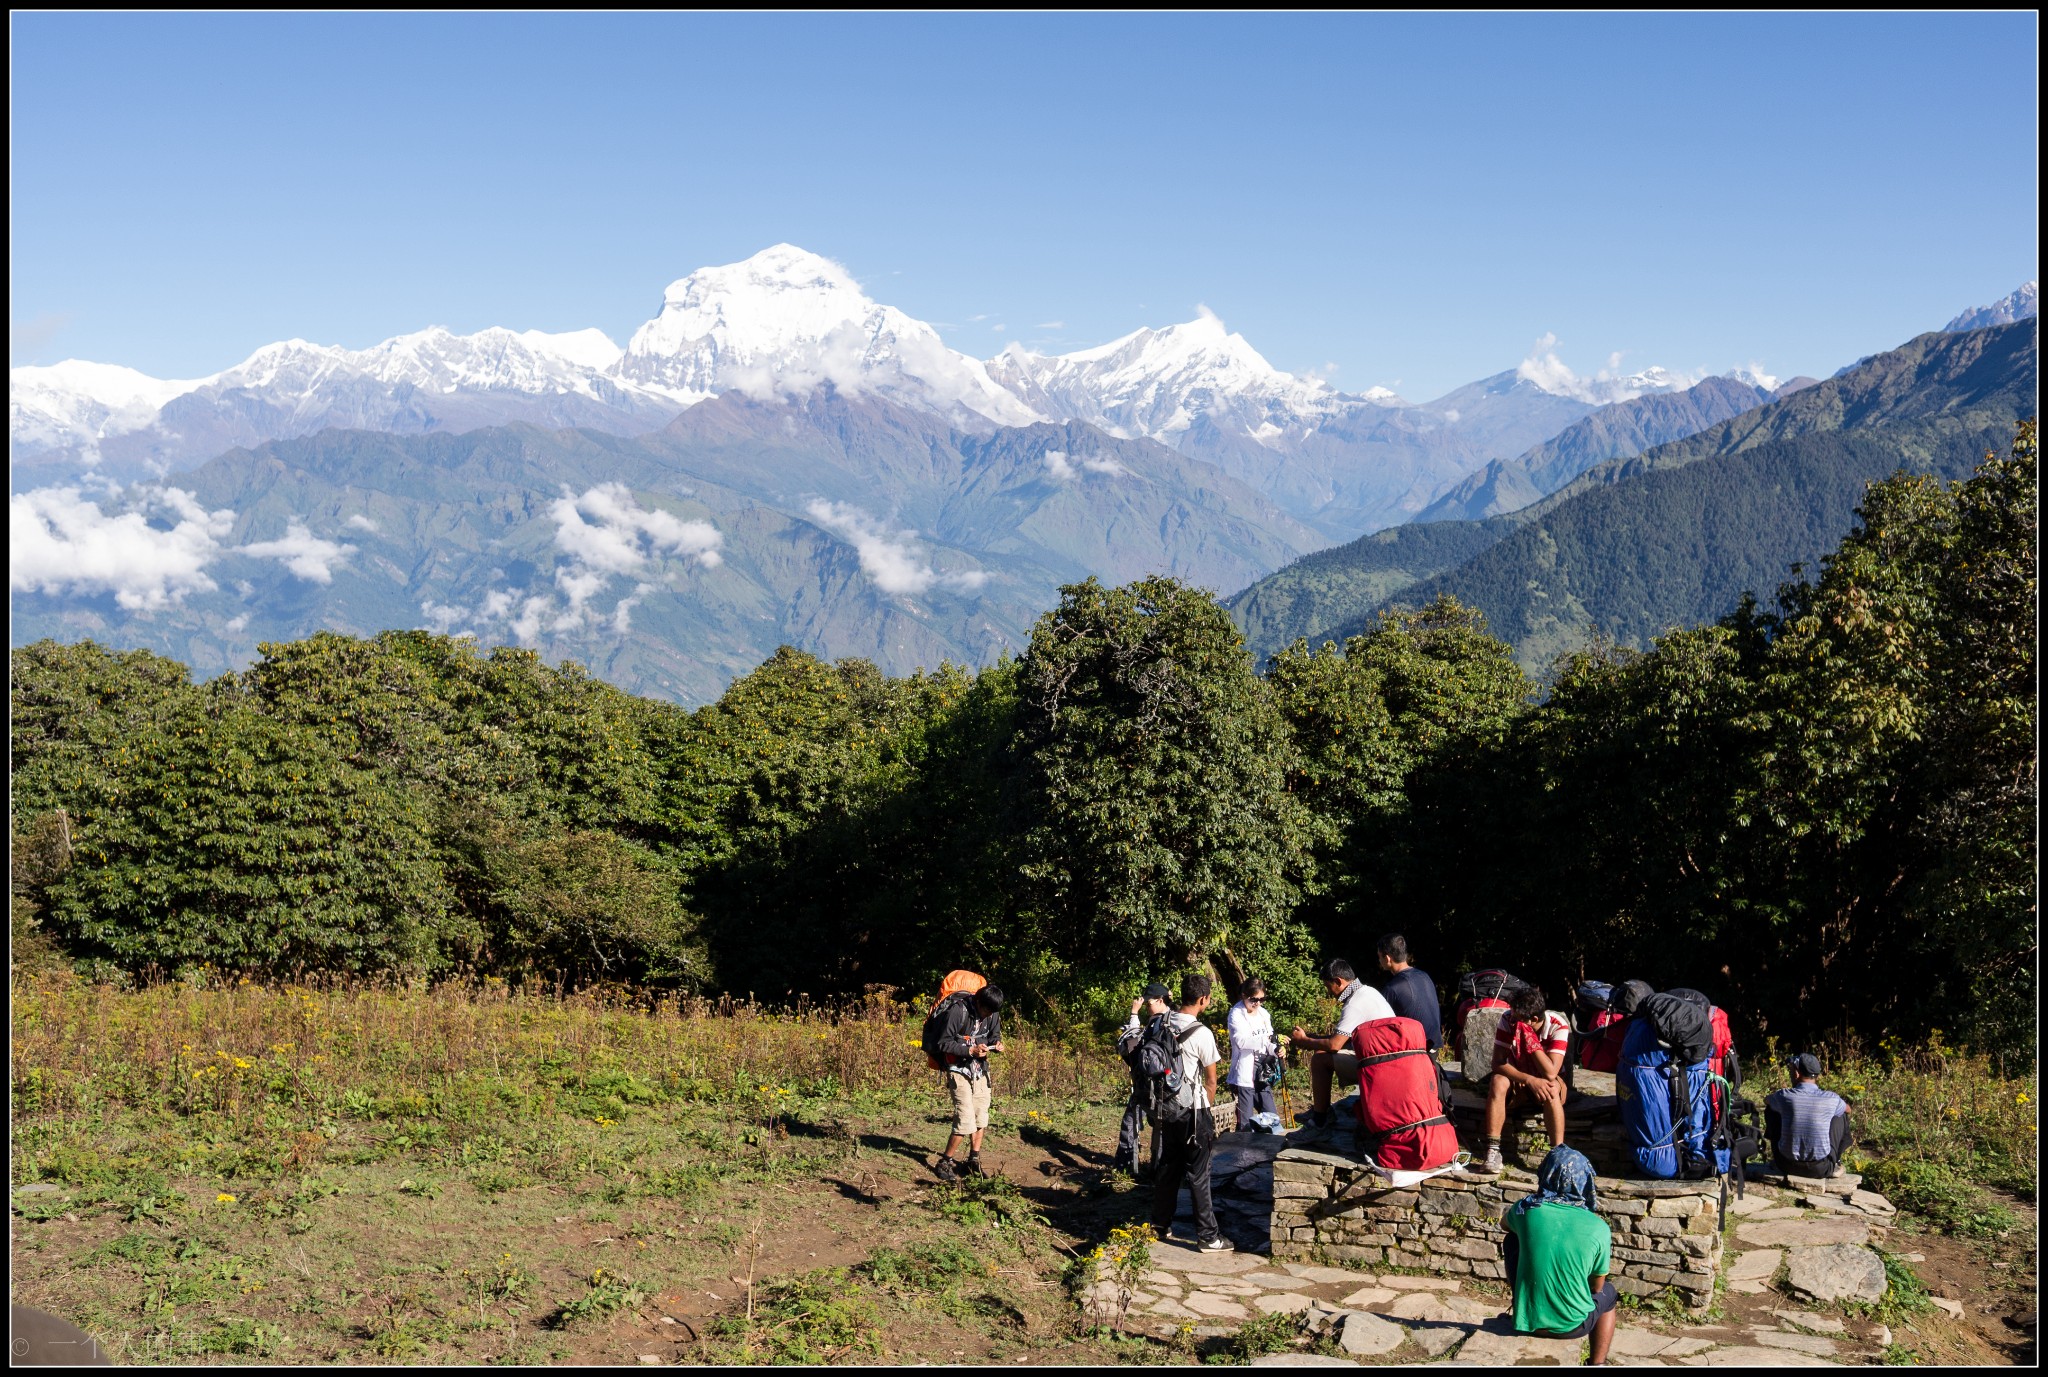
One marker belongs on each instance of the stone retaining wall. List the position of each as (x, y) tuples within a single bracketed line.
[(1666, 1233)]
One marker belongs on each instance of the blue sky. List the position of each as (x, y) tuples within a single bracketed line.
[(1406, 201)]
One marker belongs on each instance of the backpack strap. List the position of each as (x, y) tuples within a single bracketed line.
[(1378, 1139), (1389, 1056)]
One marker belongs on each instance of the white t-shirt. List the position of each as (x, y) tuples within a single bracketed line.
[(1360, 1003), (1197, 1052), (1251, 1036)]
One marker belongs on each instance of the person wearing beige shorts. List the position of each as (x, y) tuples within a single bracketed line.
[(970, 1103)]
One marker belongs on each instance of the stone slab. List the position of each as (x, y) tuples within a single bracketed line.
[(1336, 1276), (1639, 1343), (1758, 1265), (1811, 1322), (1805, 1233), (1185, 1257), (1815, 1344), (1367, 1296), (1754, 1355), (1420, 1283), (1366, 1334), (1288, 1303), (1276, 1281), (1299, 1360), (1222, 1307), (1837, 1271)]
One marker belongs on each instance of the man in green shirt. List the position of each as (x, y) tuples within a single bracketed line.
[(1558, 1253)]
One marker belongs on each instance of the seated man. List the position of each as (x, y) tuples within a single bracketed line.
[(1528, 1069), (1357, 1002), (1808, 1126), (1558, 1252)]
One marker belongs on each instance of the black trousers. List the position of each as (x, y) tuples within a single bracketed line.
[(1130, 1133), (1184, 1156)]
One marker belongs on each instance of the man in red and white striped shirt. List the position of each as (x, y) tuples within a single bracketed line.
[(1528, 1068)]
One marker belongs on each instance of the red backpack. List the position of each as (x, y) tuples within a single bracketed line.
[(1404, 1103)]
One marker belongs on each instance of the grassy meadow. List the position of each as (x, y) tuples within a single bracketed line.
[(229, 1172)]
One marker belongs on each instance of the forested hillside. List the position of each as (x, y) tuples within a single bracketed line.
[(1822, 813), (1634, 547)]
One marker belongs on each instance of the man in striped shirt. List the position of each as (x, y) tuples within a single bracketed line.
[(1808, 1126)]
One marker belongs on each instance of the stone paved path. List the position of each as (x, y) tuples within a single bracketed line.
[(1418, 1318)]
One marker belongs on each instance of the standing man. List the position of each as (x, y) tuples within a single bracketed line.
[(1528, 1068), (974, 1028), (1357, 1003), (1410, 992), (1146, 1007), (1184, 1147), (1808, 1126)]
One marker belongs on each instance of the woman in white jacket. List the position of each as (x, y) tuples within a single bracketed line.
[(1251, 1037)]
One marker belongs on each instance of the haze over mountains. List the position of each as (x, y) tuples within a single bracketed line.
[(774, 457)]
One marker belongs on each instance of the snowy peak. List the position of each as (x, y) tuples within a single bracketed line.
[(1543, 369), (2018, 305), (1157, 384), (786, 322)]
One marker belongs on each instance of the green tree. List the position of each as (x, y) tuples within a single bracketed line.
[(1153, 770)]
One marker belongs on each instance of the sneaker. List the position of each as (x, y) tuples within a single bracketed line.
[(944, 1169), (1492, 1164), (1315, 1118), (1218, 1245)]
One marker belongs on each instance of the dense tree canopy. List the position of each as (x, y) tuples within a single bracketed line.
[(1821, 812)]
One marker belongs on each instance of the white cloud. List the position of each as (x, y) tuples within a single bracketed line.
[(605, 533), (622, 615), (359, 522), (237, 625), (1050, 325), (303, 553), (526, 626), (887, 557), (1064, 467), (1544, 368), (441, 618), (61, 542)]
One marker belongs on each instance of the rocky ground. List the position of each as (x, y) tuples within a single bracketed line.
[(1802, 1281)]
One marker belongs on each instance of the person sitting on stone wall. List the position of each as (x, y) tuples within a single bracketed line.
[(1558, 1252), (1528, 1069), (1808, 1126), (1331, 1058)]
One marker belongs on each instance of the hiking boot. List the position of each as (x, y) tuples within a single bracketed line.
[(1219, 1244), (972, 1166), (944, 1169), (1315, 1118)]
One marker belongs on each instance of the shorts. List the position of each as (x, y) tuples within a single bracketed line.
[(1602, 1303), (970, 1102)]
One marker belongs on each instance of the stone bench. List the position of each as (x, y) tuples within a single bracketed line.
[(1667, 1237)]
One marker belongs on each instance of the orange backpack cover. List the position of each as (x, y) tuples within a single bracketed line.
[(956, 982)]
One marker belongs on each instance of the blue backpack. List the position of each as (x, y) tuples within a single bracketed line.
[(1664, 1084)]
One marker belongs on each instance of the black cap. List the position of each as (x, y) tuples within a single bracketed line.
[(1806, 1064), (1157, 991)]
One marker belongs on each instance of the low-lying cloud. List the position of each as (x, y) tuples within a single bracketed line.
[(302, 553), (60, 541), (1064, 467), (887, 557)]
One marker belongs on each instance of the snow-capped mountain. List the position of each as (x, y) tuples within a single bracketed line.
[(786, 321), (2014, 306), (1157, 384)]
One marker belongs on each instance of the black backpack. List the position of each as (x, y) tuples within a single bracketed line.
[(1155, 1062), (935, 1024)]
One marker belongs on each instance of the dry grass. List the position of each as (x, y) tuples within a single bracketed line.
[(245, 1051)]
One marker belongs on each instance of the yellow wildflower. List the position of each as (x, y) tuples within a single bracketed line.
[(224, 1199)]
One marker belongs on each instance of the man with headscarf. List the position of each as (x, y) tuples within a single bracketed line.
[(1558, 1253)]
